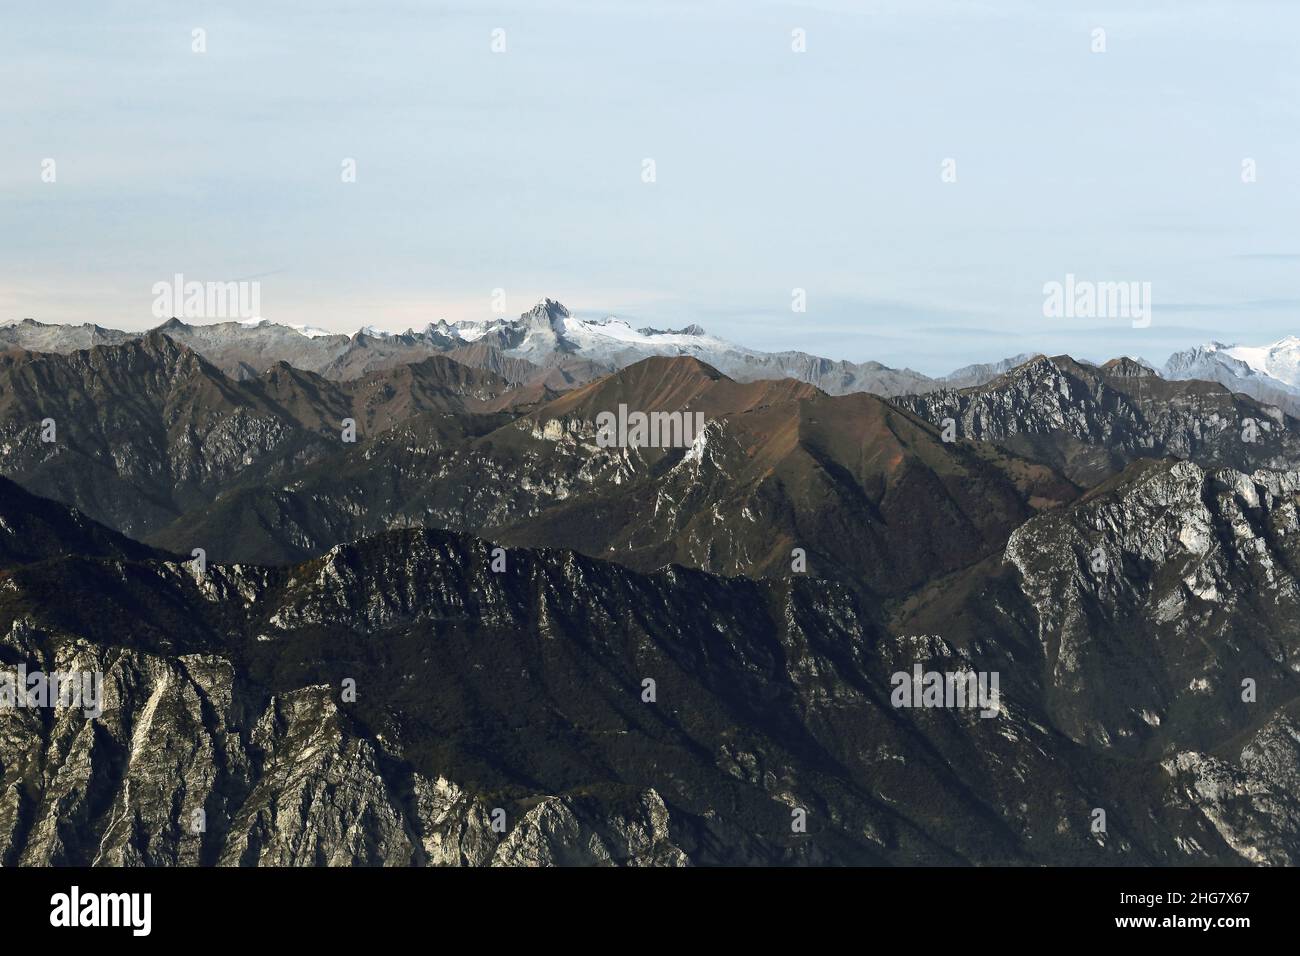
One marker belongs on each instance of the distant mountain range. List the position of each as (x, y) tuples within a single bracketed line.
[(546, 346), (549, 347)]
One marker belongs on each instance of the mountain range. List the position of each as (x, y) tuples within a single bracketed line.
[(550, 346), (546, 345), (470, 631)]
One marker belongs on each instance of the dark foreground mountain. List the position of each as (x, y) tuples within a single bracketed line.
[(35, 529), (399, 701)]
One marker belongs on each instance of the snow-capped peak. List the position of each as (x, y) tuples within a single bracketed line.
[(1270, 373), (620, 332), (1281, 360), (311, 331)]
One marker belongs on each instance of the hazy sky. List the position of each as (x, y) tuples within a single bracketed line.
[(775, 170)]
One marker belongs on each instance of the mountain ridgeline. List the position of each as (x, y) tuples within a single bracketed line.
[(547, 346), (355, 601)]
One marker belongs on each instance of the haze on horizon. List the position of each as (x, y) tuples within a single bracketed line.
[(775, 170)]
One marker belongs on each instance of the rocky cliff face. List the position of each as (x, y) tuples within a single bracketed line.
[(189, 767), (1089, 421), (1174, 584), (399, 702)]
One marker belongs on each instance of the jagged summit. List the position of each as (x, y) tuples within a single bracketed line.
[(1130, 368), (548, 309)]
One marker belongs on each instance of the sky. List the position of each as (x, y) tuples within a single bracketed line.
[(524, 169)]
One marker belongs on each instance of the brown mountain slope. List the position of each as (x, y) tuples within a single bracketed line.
[(671, 384), (871, 493)]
